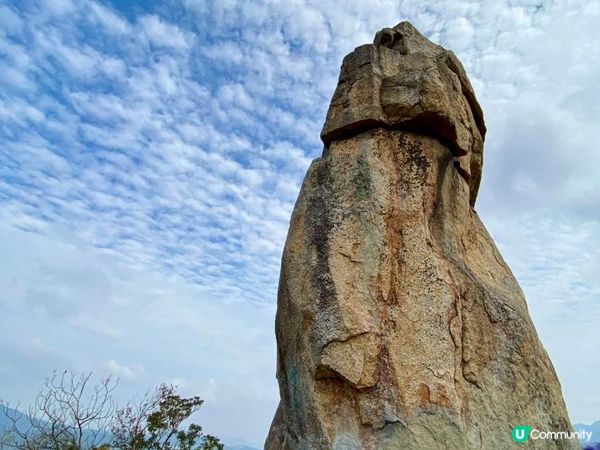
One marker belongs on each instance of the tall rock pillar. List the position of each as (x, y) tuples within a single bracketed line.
[(399, 325)]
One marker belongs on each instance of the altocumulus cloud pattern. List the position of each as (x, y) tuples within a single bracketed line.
[(151, 153)]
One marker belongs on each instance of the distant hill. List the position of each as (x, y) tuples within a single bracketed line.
[(232, 443), (5, 419), (6, 422), (594, 446), (23, 423), (594, 443), (239, 447)]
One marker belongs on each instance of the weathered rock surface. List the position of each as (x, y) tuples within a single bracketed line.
[(404, 81), (399, 325)]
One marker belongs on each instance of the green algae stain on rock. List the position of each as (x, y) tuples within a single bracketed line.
[(372, 246), (362, 176), (367, 198), (292, 386)]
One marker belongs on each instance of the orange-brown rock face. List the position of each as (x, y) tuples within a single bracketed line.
[(399, 326)]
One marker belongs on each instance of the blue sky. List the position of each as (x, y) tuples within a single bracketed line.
[(151, 153)]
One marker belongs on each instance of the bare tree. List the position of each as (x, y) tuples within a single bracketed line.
[(68, 414)]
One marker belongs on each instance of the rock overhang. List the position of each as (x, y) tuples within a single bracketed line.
[(404, 81)]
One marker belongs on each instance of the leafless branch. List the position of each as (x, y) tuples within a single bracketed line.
[(67, 414)]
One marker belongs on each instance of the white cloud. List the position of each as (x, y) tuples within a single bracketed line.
[(458, 33), (161, 33), (130, 373), (236, 96), (110, 21), (59, 7), (10, 22)]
